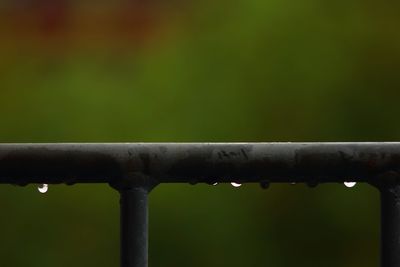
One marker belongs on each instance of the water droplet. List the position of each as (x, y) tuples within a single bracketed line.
[(350, 184), (193, 182), (236, 184), (264, 184), (312, 184), (215, 184), (43, 188)]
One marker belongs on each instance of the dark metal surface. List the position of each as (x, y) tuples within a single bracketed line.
[(134, 227), (390, 225), (135, 168), (197, 162)]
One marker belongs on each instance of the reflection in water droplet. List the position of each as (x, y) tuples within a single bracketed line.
[(43, 188), (215, 184), (235, 184), (350, 184)]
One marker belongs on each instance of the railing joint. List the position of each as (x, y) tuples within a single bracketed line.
[(134, 180)]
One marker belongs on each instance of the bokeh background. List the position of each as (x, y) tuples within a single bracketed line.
[(157, 70)]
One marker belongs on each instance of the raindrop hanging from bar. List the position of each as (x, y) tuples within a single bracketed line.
[(236, 184), (349, 184), (42, 188)]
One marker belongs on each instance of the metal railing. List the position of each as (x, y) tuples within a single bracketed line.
[(134, 169)]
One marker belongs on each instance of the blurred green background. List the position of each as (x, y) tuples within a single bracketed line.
[(156, 70)]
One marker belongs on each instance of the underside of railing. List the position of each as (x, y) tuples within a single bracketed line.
[(134, 169)]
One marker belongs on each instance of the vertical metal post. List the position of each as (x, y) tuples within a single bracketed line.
[(390, 225), (134, 227)]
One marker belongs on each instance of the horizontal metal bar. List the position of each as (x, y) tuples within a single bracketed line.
[(197, 162)]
